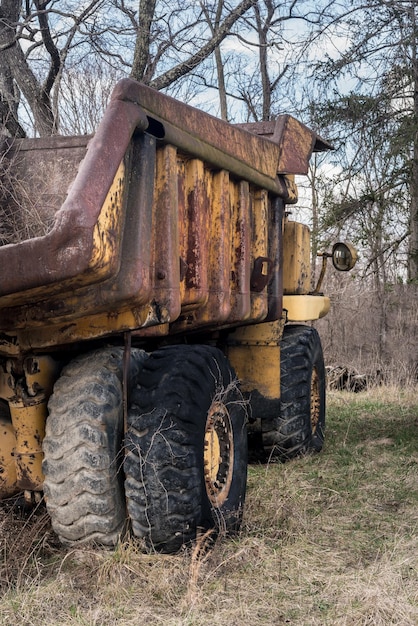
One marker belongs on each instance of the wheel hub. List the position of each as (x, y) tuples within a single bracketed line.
[(218, 454)]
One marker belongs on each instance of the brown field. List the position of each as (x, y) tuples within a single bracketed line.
[(329, 539)]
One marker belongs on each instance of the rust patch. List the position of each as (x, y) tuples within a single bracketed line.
[(65, 253), (295, 140)]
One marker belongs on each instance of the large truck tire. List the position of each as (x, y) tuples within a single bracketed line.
[(83, 454), (299, 428), (186, 447)]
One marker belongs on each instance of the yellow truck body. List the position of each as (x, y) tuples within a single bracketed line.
[(167, 227)]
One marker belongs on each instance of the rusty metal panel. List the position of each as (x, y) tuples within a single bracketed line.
[(150, 263), (194, 224), (219, 235), (179, 243), (240, 252), (215, 308), (254, 352), (261, 264), (104, 251), (131, 284), (81, 329), (223, 145), (297, 260), (8, 476), (235, 250), (275, 252), (29, 420), (69, 255), (296, 142), (165, 260)]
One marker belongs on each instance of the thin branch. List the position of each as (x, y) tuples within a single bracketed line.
[(187, 66)]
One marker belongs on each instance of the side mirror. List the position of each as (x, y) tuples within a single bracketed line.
[(344, 256)]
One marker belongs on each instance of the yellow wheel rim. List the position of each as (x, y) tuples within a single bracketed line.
[(218, 455)]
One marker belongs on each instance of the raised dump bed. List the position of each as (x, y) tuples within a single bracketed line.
[(172, 218)]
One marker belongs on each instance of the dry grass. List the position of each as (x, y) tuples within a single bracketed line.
[(330, 539), (22, 215)]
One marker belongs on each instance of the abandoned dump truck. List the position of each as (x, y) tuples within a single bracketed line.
[(153, 304)]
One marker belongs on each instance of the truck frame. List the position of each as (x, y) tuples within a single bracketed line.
[(155, 321)]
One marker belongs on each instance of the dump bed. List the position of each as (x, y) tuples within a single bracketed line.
[(166, 220)]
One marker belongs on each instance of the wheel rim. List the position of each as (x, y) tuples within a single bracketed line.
[(218, 454), (315, 401)]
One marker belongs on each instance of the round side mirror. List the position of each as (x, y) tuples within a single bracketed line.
[(344, 256)]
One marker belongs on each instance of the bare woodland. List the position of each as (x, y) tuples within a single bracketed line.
[(370, 338), (350, 71)]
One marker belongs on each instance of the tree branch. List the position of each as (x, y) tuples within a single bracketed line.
[(187, 66)]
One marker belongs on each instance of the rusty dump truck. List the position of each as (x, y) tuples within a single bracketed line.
[(155, 309)]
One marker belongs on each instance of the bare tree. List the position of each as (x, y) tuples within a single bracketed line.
[(42, 40), (365, 197), (35, 40), (85, 90), (194, 59), (380, 64)]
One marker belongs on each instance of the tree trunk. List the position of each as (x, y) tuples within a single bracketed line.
[(14, 65), (413, 241), (143, 39), (220, 73), (263, 29)]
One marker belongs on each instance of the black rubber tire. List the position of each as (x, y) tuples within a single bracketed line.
[(165, 486), (300, 425), (83, 455)]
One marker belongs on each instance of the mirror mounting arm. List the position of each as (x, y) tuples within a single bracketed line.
[(344, 257), (325, 256)]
